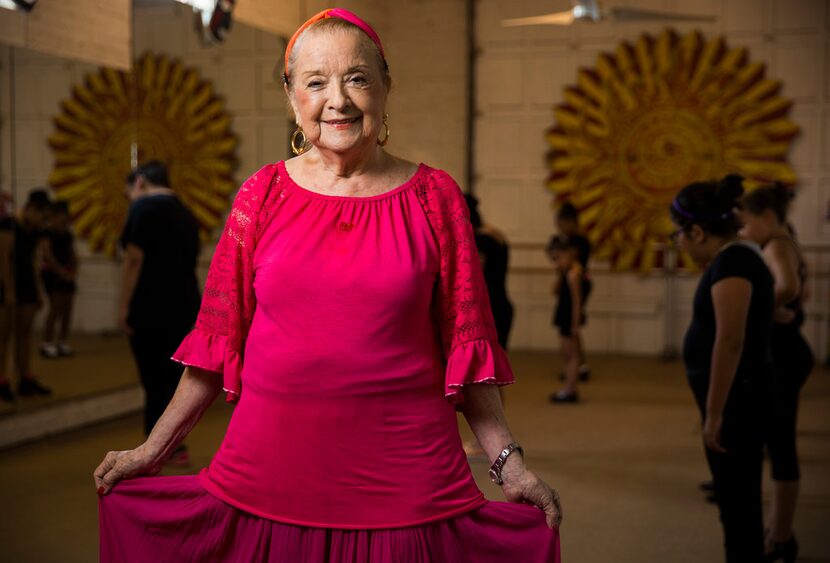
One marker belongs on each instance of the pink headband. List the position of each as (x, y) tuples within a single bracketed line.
[(339, 13)]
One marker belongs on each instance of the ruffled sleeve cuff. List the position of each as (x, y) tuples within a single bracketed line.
[(210, 352), (475, 362)]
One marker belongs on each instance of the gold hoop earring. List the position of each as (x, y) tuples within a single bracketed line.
[(382, 142), (298, 150)]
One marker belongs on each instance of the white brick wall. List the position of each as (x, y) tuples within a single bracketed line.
[(279, 18), (427, 46)]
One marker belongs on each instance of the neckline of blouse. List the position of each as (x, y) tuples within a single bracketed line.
[(284, 173)]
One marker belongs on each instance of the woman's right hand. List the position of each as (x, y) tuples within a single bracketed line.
[(712, 424), (125, 464)]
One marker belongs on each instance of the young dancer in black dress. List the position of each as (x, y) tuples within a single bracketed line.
[(727, 356), (572, 289), (764, 217), (59, 274), (567, 223)]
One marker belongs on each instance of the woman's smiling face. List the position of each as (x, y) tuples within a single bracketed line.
[(338, 89)]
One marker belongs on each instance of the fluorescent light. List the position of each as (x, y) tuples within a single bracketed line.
[(201, 5)]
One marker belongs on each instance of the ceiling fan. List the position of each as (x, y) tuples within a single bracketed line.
[(25, 5), (592, 11)]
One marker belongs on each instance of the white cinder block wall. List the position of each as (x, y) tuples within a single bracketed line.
[(86, 30), (521, 75)]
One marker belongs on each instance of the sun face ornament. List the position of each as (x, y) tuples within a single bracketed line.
[(160, 110), (652, 118)]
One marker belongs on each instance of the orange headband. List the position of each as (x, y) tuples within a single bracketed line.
[(342, 14)]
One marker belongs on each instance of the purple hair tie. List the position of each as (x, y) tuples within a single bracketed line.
[(676, 206), (692, 217)]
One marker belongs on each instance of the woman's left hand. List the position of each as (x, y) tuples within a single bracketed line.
[(521, 485)]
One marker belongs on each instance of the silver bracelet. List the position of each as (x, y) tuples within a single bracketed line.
[(495, 469)]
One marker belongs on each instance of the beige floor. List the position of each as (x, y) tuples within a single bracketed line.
[(97, 366), (627, 462)]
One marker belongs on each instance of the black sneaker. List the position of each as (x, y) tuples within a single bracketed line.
[(30, 387), (6, 393), (564, 397)]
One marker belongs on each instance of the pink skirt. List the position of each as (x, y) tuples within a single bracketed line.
[(174, 519)]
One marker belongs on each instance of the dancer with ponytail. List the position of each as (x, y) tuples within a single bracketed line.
[(764, 217)]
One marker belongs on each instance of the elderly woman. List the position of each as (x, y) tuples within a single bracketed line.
[(346, 315)]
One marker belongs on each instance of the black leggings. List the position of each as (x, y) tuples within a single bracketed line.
[(159, 374), (737, 478), (793, 363), (737, 472)]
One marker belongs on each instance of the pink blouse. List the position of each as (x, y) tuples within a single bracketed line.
[(345, 328)]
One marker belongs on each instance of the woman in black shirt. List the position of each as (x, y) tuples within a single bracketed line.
[(764, 217), (494, 253), (727, 356)]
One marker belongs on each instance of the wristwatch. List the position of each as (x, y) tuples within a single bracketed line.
[(495, 469)]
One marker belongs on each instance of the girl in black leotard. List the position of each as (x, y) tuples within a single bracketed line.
[(727, 356), (764, 216), (572, 288), (567, 223), (59, 274)]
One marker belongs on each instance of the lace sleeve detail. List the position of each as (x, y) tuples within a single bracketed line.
[(218, 341), (462, 305)]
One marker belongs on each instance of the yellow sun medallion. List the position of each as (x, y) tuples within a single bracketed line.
[(653, 118), (163, 110)]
